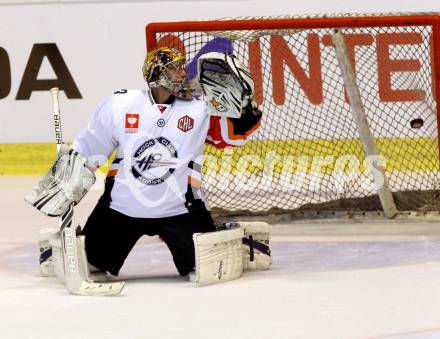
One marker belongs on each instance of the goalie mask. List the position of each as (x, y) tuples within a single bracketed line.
[(166, 67)]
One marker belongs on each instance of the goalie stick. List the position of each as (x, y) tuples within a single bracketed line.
[(76, 278)]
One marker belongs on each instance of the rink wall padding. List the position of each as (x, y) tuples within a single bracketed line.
[(36, 158), (29, 159)]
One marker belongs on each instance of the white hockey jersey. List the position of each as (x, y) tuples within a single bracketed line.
[(158, 150)]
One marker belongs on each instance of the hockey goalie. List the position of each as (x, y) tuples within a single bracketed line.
[(154, 183)]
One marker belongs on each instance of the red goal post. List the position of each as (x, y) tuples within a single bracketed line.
[(405, 86)]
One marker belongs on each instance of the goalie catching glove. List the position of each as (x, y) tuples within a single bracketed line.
[(67, 182), (227, 84)]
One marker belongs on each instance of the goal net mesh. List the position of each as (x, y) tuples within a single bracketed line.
[(307, 153)]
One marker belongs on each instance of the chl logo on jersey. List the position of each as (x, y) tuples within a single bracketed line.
[(185, 123), (131, 122), (154, 161)]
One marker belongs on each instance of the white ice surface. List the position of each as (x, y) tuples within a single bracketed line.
[(350, 280)]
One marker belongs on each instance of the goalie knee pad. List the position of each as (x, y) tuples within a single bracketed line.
[(256, 245), (218, 256)]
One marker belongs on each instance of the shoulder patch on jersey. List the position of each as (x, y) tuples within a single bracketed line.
[(120, 91)]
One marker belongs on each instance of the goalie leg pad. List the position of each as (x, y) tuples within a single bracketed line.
[(256, 245), (46, 257), (218, 256)]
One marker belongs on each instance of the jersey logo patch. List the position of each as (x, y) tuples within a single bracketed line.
[(160, 122), (162, 108), (185, 123), (154, 161), (131, 122)]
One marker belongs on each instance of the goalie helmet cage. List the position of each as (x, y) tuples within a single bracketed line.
[(307, 154)]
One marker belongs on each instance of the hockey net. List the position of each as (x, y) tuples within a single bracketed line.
[(307, 153)]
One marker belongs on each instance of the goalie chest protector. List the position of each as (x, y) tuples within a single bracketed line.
[(156, 149)]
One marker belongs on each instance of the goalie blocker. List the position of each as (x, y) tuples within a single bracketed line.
[(68, 180)]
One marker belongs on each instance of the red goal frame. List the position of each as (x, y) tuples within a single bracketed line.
[(432, 20)]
